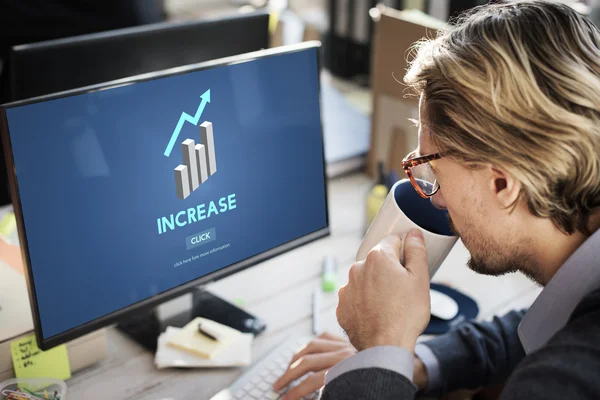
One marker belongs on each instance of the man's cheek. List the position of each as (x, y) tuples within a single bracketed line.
[(451, 224), (454, 222)]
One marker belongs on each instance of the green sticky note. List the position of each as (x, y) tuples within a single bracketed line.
[(31, 362)]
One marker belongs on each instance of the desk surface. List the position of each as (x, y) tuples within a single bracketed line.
[(279, 291)]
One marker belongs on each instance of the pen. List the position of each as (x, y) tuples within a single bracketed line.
[(205, 332), (316, 306)]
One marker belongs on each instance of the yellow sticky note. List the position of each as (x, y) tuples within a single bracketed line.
[(273, 21), (31, 362), (8, 224)]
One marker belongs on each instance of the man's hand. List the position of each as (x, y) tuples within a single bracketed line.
[(321, 354), (385, 303)]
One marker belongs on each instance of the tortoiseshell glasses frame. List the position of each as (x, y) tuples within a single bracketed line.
[(410, 161)]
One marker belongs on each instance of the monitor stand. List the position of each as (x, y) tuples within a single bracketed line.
[(145, 327)]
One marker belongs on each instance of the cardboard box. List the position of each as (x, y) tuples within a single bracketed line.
[(289, 27), (399, 148), (395, 33)]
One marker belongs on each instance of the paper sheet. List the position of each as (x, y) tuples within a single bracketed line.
[(15, 312)]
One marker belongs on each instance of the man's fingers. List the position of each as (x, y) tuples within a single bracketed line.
[(331, 336), (319, 346), (311, 384), (415, 253), (288, 377), (390, 244), (304, 365)]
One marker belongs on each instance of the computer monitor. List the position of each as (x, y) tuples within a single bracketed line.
[(63, 64), (130, 193)]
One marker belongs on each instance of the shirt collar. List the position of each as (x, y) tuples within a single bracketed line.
[(576, 278)]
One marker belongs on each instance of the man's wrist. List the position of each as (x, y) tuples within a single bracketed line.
[(406, 342), (420, 377), (393, 358)]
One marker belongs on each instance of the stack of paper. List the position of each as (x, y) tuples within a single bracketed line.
[(186, 347)]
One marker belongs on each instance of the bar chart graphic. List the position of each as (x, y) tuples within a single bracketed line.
[(199, 162)]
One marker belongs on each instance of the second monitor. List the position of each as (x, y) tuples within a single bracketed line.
[(63, 64)]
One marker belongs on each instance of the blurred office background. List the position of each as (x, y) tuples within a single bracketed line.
[(358, 101)]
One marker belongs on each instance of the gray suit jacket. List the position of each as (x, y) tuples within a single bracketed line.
[(481, 354)]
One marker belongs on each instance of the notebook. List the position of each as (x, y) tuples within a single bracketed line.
[(238, 354)]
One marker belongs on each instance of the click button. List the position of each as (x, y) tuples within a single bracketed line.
[(200, 238)]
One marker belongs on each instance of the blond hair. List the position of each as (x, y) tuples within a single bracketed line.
[(517, 85)]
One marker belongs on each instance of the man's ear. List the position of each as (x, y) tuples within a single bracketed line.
[(504, 186)]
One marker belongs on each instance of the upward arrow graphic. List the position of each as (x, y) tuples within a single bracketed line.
[(186, 117)]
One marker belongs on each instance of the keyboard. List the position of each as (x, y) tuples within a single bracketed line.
[(257, 381)]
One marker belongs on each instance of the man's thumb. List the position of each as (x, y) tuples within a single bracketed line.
[(415, 253)]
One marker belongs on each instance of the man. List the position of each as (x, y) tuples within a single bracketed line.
[(510, 120)]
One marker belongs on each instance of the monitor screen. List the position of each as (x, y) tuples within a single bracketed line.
[(131, 192)]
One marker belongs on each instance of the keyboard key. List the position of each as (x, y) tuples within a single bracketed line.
[(284, 366), (257, 394), (248, 387), (271, 379), (265, 373), (272, 396), (264, 386), (256, 379), (240, 394)]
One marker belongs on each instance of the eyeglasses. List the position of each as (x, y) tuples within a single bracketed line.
[(421, 173)]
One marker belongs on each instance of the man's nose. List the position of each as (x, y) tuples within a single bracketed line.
[(438, 200)]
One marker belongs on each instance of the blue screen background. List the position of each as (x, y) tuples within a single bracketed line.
[(93, 180)]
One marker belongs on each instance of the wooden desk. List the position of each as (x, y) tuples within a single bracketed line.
[(279, 290)]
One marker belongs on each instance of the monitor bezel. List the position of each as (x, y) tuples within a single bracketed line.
[(153, 301)]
